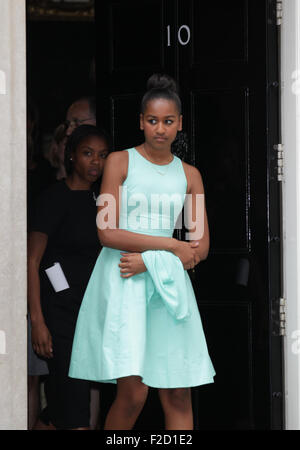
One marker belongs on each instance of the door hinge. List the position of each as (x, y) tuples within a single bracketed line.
[(278, 317), (279, 12), (280, 163), (282, 321)]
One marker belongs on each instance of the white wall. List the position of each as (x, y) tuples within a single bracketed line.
[(13, 346), (291, 200)]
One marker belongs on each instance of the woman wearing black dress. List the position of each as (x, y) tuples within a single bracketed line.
[(63, 230)]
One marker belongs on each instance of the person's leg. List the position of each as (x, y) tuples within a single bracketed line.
[(37, 367), (177, 407), (33, 400), (129, 402), (68, 399), (40, 425), (94, 406)]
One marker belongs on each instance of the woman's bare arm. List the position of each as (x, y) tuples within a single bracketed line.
[(41, 339), (37, 244), (196, 211)]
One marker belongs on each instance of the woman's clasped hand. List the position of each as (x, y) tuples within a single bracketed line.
[(132, 263)]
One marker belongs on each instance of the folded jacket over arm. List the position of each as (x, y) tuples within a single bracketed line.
[(167, 278)]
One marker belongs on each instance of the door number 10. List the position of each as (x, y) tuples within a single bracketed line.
[(179, 35)]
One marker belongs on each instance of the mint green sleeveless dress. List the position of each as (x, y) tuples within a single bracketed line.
[(147, 325)]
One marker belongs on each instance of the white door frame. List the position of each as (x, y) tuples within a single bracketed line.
[(290, 72), (13, 239)]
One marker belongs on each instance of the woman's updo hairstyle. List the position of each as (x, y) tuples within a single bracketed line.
[(80, 134), (161, 86)]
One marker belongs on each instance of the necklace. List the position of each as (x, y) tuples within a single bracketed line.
[(159, 167)]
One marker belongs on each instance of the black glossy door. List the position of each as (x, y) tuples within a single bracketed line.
[(224, 56), (131, 44)]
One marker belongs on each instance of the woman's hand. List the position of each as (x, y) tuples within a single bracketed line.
[(131, 264), (197, 257), (41, 339), (186, 252)]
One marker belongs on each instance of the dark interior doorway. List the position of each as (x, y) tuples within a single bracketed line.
[(60, 63), (60, 69)]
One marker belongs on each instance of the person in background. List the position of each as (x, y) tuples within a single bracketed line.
[(44, 168), (84, 111), (39, 176), (63, 229), (81, 112), (55, 152), (40, 173)]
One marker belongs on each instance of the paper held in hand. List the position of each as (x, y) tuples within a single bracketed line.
[(57, 277)]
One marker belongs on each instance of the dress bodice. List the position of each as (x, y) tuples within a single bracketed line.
[(152, 196)]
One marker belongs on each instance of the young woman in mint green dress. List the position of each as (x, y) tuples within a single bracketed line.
[(139, 323)]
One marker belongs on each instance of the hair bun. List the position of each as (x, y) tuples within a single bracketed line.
[(163, 82)]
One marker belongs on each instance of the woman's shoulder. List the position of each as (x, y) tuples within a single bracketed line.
[(117, 156), (56, 191), (50, 207), (117, 163), (57, 186), (194, 177), (191, 170)]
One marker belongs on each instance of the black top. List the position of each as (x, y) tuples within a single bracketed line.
[(39, 179), (68, 217)]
